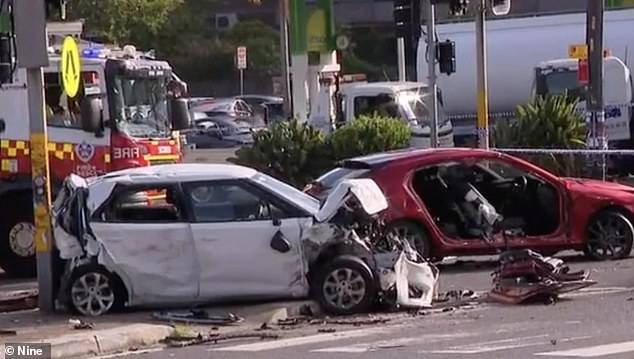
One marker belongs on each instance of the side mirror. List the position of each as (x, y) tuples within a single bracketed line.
[(180, 116), (280, 243), (91, 114)]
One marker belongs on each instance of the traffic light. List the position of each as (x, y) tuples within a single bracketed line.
[(56, 7), (458, 7), (407, 18), (500, 7), (446, 57)]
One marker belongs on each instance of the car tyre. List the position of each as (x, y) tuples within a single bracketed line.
[(609, 236), (345, 286), (93, 291), (17, 250), (416, 235)]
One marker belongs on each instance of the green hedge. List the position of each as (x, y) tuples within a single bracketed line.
[(297, 153)]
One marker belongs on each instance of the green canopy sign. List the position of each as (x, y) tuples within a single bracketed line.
[(610, 4), (311, 31)]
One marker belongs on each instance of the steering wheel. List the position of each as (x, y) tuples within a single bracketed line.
[(521, 183)]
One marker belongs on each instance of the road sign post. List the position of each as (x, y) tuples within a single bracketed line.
[(241, 61)]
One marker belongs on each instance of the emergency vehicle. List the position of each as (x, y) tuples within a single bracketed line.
[(126, 114)]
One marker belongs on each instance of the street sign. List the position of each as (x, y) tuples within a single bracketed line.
[(241, 55), (71, 67), (578, 51)]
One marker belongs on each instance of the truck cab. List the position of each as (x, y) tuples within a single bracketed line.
[(561, 75), (127, 113), (407, 101)]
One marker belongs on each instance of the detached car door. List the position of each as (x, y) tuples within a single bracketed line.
[(149, 241), (247, 245)]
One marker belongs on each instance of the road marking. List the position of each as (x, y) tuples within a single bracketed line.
[(597, 291), (504, 344), (397, 342), (291, 342), (130, 353), (595, 351)]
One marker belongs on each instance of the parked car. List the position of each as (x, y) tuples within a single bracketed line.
[(442, 199), (270, 109), (257, 100), (220, 132), (211, 232), (226, 107)]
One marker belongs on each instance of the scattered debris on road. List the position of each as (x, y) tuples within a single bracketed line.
[(18, 300), (7, 333), (197, 317), (80, 324), (525, 275), (214, 338)]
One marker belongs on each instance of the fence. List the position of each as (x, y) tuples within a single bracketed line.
[(619, 164)]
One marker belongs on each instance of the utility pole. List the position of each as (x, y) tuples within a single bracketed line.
[(596, 112), (483, 101), (283, 28), (31, 46), (431, 64), (402, 20)]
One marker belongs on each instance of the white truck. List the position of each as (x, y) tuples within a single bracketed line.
[(561, 75), (515, 46), (408, 101)]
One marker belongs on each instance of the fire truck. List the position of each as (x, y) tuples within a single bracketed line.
[(127, 113)]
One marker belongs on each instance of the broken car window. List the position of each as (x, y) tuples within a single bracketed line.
[(227, 202), (145, 205)]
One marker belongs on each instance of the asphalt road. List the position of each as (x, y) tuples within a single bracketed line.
[(595, 322)]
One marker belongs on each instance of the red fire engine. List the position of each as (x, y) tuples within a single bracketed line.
[(126, 114)]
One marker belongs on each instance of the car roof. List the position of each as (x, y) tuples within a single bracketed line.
[(388, 86), (179, 172), (432, 154), (260, 97)]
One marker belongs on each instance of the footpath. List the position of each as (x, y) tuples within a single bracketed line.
[(72, 336)]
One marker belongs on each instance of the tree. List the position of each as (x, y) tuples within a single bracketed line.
[(546, 122), (262, 42), (119, 21)]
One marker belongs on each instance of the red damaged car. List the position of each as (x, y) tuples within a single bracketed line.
[(443, 201)]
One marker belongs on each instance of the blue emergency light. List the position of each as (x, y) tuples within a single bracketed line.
[(93, 53)]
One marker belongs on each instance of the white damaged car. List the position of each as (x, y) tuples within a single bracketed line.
[(191, 234)]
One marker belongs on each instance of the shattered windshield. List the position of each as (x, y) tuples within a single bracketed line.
[(141, 106)]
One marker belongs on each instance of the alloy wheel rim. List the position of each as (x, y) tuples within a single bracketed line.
[(608, 237), (344, 288), (92, 294), (21, 237)]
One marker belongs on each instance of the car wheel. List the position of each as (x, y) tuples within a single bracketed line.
[(609, 235), (94, 291), (17, 234), (414, 234), (345, 286)]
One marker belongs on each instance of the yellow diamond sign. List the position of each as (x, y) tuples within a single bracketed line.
[(71, 67)]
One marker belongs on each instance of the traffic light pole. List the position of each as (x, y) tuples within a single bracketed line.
[(596, 112), (286, 86), (400, 48), (431, 63), (483, 102), (30, 28)]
